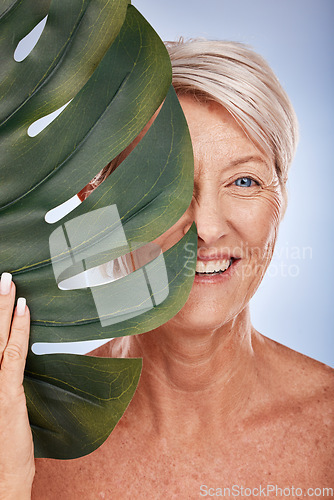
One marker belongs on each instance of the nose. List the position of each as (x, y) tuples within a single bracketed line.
[(208, 215)]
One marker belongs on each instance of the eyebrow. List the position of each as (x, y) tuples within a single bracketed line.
[(247, 159)]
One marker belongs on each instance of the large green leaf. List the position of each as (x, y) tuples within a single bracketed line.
[(150, 190), (65, 57), (75, 401), (155, 199), (112, 108), (72, 315)]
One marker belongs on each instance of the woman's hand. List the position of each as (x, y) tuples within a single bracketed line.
[(17, 467)]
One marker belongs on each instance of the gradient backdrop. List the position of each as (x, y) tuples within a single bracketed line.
[(295, 301)]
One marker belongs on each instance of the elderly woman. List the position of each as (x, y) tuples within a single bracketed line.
[(220, 410)]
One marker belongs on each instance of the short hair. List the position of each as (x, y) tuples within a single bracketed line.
[(239, 79)]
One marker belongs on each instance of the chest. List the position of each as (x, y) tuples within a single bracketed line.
[(129, 467)]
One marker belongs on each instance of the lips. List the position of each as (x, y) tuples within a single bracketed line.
[(214, 271)]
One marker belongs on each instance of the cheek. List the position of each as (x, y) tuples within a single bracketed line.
[(256, 220)]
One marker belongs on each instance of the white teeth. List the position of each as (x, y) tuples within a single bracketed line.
[(212, 266)]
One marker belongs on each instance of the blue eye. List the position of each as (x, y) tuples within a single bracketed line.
[(245, 182)]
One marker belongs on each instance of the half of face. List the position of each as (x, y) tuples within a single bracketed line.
[(237, 206)]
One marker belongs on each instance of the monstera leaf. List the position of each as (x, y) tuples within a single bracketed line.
[(105, 59)]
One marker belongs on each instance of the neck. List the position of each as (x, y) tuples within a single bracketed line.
[(191, 378)]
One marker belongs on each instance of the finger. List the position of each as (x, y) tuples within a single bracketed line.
[(15, 353), (7, 297)]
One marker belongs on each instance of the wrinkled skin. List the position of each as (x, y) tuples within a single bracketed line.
[(217, 404)]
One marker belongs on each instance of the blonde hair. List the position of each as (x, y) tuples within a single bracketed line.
[(239, 79)]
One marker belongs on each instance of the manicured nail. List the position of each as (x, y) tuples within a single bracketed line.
[(21, 306), (5, 283)]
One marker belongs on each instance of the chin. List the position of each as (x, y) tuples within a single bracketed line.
[(202, 313)]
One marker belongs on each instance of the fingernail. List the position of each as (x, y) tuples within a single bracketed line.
[(21, 306), (5, 283)]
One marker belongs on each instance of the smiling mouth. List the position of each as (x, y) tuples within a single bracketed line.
[(205, 268)]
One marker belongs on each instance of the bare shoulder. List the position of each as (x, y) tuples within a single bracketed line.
[(301, 384), (298, 374), (298, 414)]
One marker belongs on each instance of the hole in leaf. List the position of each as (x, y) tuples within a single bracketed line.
[(57, 213), (114, 269), (40, 124), (83, 347), (26, 45)]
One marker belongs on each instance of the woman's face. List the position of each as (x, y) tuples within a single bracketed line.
[(237, 206)]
